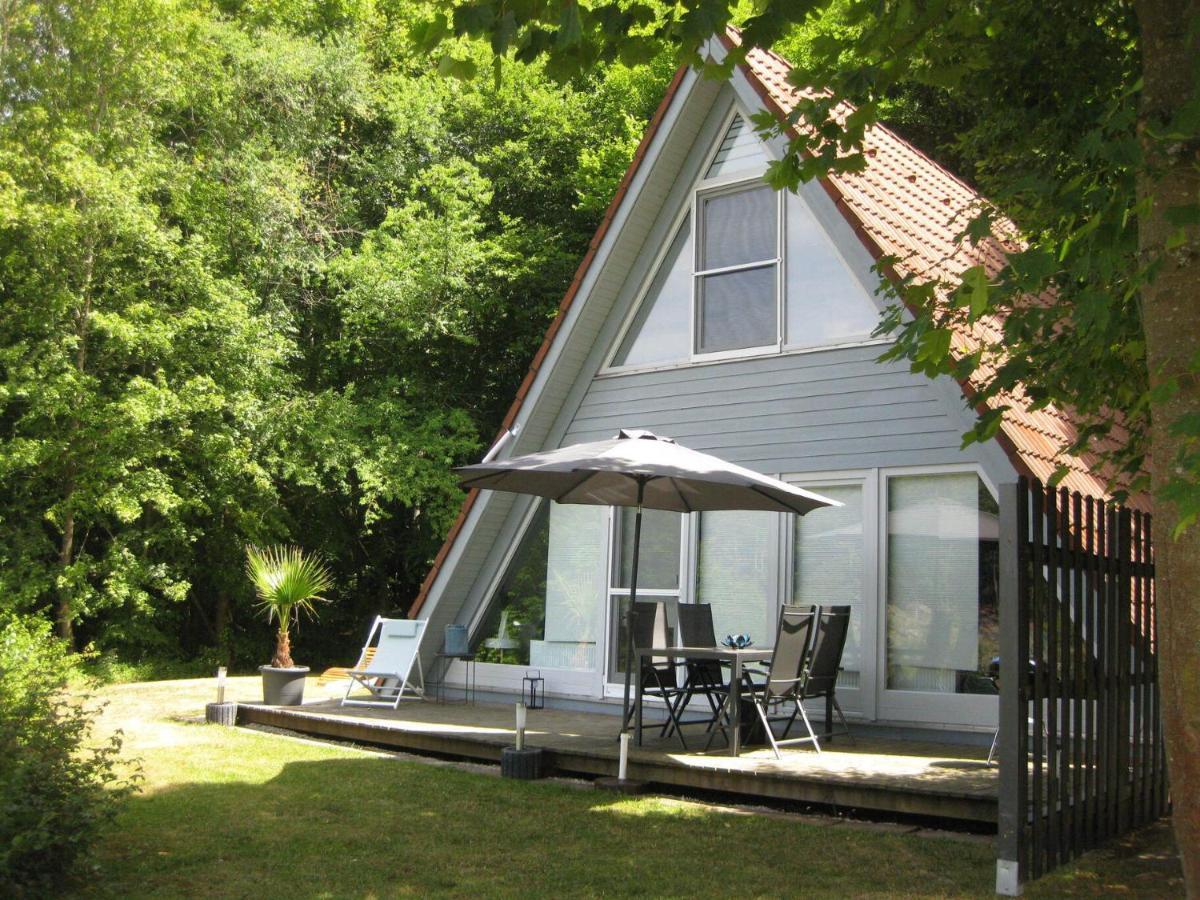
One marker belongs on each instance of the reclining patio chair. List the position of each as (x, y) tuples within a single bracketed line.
[(804, 666), (388, 674), (337, 673), (659, 678), (705, 677)]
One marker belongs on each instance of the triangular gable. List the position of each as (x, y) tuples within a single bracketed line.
[(740, 150), (901, 206), (826, 300), (905, 206)]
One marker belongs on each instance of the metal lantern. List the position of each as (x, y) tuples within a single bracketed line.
[(534, 689)]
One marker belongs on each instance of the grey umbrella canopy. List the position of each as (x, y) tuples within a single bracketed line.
[(640, 469), (669, 476)]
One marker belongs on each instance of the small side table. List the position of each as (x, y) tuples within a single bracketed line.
[(468, 659)]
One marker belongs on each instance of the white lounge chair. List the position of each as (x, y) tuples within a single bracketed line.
[(391, 668)]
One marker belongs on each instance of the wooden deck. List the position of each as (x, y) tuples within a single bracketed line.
[(948, 781)]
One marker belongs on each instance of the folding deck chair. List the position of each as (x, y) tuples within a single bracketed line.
[(337, 673), (388, 674)]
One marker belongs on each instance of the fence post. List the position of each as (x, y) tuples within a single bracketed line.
[(1013, 805)]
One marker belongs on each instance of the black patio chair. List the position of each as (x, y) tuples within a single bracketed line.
[(784, 675), (824, 664), (804, 666), (704, 677), (659, 679)]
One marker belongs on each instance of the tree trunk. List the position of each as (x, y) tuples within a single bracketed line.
[(221, 620), (283, 651), (63, 613), (1171, 318)]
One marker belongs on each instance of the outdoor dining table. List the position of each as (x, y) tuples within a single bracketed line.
[(736, 658)]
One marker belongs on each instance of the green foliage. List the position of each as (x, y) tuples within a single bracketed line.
[(997, 91), (57, 786), (267, 277), (286, 581)]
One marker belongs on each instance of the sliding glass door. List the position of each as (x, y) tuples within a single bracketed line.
[(831, 563), (660, 574), (940, 617)]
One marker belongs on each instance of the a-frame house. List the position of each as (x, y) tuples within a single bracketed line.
[(739, 321)]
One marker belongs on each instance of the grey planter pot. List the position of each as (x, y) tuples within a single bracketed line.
[(283, 687)]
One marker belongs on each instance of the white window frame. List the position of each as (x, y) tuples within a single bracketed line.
[(725, 187), (922, 708), (617, 688), (860, 701)]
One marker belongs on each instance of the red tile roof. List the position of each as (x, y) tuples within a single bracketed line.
[(905, 206)]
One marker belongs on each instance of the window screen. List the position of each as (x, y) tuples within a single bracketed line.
[(737, 271)]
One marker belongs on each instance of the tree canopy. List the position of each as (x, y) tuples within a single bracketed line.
[(267, 276)]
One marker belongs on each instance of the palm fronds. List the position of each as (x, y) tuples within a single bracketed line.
[(286, 581)]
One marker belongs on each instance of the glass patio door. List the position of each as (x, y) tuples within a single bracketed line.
[(832, 559), (660, 574), (940, 621)]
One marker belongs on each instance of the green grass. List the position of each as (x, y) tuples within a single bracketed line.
[(233, 813)]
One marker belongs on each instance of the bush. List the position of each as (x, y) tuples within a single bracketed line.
[(56, 787)]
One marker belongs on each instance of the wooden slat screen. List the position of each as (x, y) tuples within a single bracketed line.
[(1081, 752)]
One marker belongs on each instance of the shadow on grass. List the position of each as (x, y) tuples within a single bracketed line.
[(387, 827)]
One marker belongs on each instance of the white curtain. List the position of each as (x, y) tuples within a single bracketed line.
[(933, 580), (828, 564), (735, 573)]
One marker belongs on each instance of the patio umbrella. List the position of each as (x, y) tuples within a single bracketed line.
[(640, 469)]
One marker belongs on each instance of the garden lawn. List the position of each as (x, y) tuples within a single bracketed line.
[(229, 812)]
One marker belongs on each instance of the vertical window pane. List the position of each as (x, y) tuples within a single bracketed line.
[(737, 310), (826, 303), (942, 549), (828, 566), (658, 563), (739, 228), (659, 333), (735, 573), (549, 608)]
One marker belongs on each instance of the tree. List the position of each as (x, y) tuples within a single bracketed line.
[(266, 278), (1096, 168)]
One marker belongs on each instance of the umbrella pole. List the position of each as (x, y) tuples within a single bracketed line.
[(633, 578)]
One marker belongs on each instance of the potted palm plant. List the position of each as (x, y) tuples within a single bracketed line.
[(288, 583)]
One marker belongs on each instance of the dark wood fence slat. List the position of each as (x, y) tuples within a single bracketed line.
[(1137, 672), (1050, 679), (1019, 724), (1066, 694), (1112, 680), (1093, 604), (1158, 748), (1078, 680), (1124, 641), (1038, 650)]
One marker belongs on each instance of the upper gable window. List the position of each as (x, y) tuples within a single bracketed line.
[(659, 332), (749, 271), (737, 270)]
